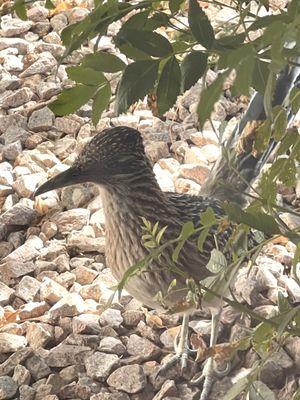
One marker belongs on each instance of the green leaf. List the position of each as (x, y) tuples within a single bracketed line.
[(294, 8), (147, 224), (262, 136), (262, 336), (175, 5), (208, 98), (236, 389), (193, 67), (150, 244), (235, 57), (288, 174), (168, 86), (186, 231), (131, 52), (100, 102), (283, 304), (284, 170), (295, 100), (208, 217), (160, 234), (71, 99), (150, 43), (258, 391), (137, 21), (296, 258), (146, 237), (230, 42), (200, 26), (217, 262), (244, 343), (138, 78), (277, 47), (244, 72), (157, 20), (103, 61), (268, 20), (180, 46), (155, 227), (288, 141), (202, 238), (280, 122), (172, 285), (286, 319), (257, 220), (260, 76), (296, 395), (73, 36), (20, 8), (268, 95), (49, 5), (86, 76)]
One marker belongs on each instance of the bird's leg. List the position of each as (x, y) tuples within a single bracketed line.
[(209, 372), (180, 346)]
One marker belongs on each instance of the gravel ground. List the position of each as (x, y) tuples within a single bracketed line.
[(56, 342)]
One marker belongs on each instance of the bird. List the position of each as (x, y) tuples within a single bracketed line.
[(116, 162)]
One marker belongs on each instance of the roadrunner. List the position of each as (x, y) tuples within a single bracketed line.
[(115, 160)]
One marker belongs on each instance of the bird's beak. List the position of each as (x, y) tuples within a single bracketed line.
[(69, 177)]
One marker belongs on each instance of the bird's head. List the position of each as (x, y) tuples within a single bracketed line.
[(110, 158)]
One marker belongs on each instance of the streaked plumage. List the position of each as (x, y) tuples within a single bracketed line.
[(116, 161)]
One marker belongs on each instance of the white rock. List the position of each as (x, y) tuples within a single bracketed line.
[(6, 176), (170, 164), (194, 155), (203, 138), (67, 125), (157, 150), (69, 306), (27, 252), (292, 221), (13, 63), (17, 98), (5, 294), (14, 26), (84, 275), (44, 64), (164, 178), (197, 173), (71, 220), (28, 288), (111, 317), (52, 291), (37, 13), (99, 365), (210, 152), (86, 243), (27, 184), (20, 44), (5, 190), (291, 286), (41, 120), (187, 186)]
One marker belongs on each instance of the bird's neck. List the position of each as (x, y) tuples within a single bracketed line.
[(123, 206), (137, 196)]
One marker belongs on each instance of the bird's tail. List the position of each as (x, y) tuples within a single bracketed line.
[(237, 167)]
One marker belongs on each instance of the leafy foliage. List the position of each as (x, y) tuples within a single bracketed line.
[(136, 81), (194, 47), (165, 57)]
